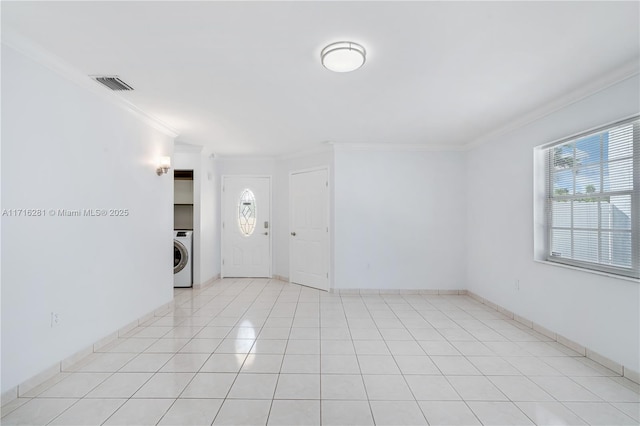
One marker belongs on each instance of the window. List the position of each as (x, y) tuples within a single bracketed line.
[(247, 212), (593, 200)]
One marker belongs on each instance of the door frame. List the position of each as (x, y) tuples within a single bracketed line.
[(329, 221), (222, 214)]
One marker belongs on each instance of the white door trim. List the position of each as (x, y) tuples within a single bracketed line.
[(222, 211), (329, 221)]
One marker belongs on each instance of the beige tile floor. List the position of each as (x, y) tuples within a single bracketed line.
[(255, 352)]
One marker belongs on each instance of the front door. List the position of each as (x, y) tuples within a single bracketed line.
[(246, 226), (309, 228)]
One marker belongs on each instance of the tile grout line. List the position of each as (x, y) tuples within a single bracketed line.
[(402, 311), (482, 374), (527, 377), (445, 376), (151, 377), (558, 337), (391, 353), (364, 386), (158, 371), (245, 359), (499, 309), (196, 373), (275, 389)]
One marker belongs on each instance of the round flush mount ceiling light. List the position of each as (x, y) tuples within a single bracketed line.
[(343, 56)]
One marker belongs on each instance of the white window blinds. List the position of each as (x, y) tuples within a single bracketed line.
[(593, 200)]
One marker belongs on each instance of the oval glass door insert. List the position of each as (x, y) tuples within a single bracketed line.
[(247, 212)]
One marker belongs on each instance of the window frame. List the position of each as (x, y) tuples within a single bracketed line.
[(634, 193)]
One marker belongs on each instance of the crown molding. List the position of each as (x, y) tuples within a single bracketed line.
[(38, 54), (348, 146), (283, 157), (245, 157), (605, 81), (328, 147)]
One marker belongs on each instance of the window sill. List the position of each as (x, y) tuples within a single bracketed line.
[(589, 271)]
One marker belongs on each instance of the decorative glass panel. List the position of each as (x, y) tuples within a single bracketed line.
[(247, 212)]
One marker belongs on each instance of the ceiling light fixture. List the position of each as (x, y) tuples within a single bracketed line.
[(343, 56)]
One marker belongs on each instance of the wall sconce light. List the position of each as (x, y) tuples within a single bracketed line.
[(164, 164)]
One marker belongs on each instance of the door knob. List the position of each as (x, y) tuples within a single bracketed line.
[(293, 234), (266, 233)]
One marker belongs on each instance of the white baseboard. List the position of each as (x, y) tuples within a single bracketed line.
[(23, 388), (370, 291), (616, 367), (207, 283)]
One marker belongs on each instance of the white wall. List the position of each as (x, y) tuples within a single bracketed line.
[(209, 220), (246, 166), (66, 148), (596, 311), (400, 219)]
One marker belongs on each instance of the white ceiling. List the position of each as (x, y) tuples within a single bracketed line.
[(244, 78)]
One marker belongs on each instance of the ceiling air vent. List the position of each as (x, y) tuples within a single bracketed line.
[(113, 82)]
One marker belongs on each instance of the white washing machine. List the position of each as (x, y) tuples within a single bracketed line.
[(182, 259)]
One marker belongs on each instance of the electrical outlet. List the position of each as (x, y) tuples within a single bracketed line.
[(55, 319), (517, 284)]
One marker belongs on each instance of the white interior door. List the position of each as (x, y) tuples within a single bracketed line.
[(246, 226), (309, 229)]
